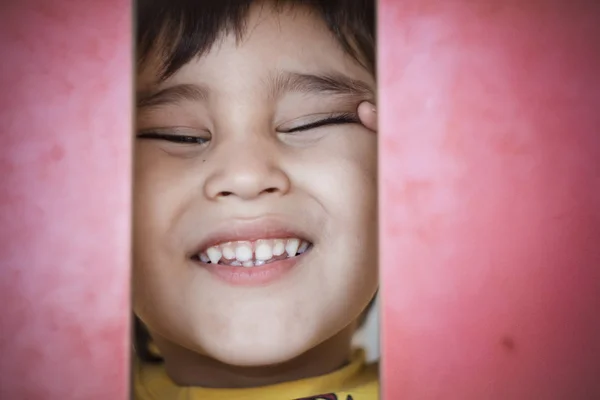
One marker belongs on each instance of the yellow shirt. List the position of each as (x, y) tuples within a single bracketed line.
[(356, 381)]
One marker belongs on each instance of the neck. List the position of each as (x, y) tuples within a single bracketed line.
[(187, 368)]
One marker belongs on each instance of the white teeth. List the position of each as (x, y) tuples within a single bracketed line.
[(303, 247), (228, 252), (249, 254), (214, 254), (292, 247), (263, 251), (243, 252), (278, 248)]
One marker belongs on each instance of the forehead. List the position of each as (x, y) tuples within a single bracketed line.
[(275, 42)]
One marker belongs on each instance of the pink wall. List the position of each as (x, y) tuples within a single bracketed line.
[(490, 185), (490, 199), (65, 156)]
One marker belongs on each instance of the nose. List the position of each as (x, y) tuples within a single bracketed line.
[(246, 171)]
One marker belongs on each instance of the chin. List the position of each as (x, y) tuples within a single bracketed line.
[(259, 355), (264, 348)]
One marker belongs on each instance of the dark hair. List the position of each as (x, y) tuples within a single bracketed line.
[(178, 30)]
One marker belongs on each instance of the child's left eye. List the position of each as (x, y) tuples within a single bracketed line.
[(336, 119)]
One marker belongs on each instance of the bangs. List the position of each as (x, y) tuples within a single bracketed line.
[(177, 31)]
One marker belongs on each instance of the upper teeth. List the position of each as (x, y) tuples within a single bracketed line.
[(249, 254)]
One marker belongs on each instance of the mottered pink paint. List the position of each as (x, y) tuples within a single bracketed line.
[(65, 157), (490, 199)]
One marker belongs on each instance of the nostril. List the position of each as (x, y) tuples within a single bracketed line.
[(249, 194)]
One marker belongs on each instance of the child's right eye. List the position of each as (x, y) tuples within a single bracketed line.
[(183, 139)]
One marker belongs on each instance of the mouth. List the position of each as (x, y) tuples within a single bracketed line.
[(253, 253)]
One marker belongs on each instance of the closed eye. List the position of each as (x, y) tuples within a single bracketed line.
[(184, 139), (337, 119)]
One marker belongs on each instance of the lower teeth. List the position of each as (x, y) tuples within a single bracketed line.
[(257, 263)]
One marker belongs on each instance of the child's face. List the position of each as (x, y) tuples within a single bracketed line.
[(256, 177)]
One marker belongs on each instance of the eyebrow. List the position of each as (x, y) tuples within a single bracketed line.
[(171, 95), (279, 84), (327, 84)]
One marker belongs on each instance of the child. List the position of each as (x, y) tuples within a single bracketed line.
[(255, 208)]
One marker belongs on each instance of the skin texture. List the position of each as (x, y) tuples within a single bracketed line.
[(321, 182), (490, 199), (65, 199)]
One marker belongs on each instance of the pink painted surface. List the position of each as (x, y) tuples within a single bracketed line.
[(490, 194), (65, 156)]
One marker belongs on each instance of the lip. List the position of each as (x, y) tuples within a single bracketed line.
[(250, 230)]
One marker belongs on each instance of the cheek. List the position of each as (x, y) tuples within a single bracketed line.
[(148, 193), (158, 205), (343, 174), (161, 193)]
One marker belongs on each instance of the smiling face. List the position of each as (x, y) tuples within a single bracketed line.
[(248, 150)]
